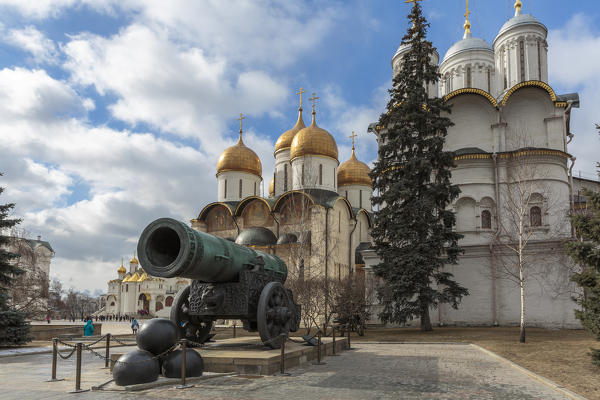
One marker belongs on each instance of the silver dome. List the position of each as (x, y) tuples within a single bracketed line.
[(523, 19), (467, 44)]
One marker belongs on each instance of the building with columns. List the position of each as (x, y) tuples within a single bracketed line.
[(511, 130)]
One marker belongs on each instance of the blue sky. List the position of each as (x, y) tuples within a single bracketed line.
[(114, 112)]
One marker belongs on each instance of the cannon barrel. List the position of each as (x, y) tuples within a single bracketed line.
[(169, 248)]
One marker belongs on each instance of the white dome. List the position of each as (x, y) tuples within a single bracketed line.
[(468, 44), (519, 21)]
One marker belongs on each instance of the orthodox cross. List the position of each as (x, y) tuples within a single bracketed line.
[(467, 23), (412, 1), (468, 12), (241, 118), (352, 137), (314, 99), (300, 93)]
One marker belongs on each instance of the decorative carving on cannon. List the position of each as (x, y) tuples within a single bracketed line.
[(229, 281)]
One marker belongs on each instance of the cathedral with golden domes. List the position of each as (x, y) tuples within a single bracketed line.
[(317, 212)]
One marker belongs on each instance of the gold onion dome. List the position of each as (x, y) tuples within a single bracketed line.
[(272, 188), (315, 141), (121, 270), (354, 172), (286, 138), (239, 158), (134, 260)]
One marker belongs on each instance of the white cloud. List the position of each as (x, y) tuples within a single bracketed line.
[(42, 49), (42, 9), (573, 63)]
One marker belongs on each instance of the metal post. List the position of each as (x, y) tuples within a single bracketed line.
[(282, 363), (183, 366), (107, 355), (78, 371), (348, 329), (54, 359), (333, 337), (319, 350)]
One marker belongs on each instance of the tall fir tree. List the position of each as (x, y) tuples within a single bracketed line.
[(413, 232), (14, 330), (586, 252)]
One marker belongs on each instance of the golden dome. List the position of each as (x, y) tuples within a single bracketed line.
[(134, 260), (313, 140), (286, 138), (272, 188), (121, 270), (354, 172), (239, 158)]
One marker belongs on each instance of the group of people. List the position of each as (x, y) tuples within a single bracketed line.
[(112, 317), (88, 328)]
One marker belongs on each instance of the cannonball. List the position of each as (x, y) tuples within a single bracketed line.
[(157, 335), (171, 364), (135, 367)]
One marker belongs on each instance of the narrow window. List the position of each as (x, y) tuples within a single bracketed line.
[(302, 175), (539, 51), (522, 57), (240, 188), (255, 188), (285, 178), (360, 199), (469, 80), (225, 194), (346, 195), (486, 219), (274, 182), (504, 68), (535, 216), (127, 288), (489, 80), (339, 221), (320, 174)]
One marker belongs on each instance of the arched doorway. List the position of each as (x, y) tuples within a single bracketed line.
[(144, 302)]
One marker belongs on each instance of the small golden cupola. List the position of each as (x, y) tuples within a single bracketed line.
[(353, 171), (286, 138), (121, 270), (272, 188), (134, 260), (354, 182), (239, 158), (313, 140), (239, 171)]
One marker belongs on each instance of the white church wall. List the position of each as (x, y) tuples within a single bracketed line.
[(473, 117), (231, 179), (525, 113), (283, 172), (314, 172), (359, 196)]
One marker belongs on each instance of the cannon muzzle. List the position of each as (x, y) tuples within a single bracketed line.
[(169, 248)]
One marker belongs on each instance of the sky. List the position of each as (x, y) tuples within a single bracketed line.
[(113, 112)]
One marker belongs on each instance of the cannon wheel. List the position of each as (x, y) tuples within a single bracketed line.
[(274, 314), (191, 327)]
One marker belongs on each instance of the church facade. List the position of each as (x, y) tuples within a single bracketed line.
[(510, 136), (135, 293), (317, 212)]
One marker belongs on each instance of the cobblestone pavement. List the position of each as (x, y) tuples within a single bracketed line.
[(372, 371)]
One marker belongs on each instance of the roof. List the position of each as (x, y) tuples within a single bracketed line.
[(36, 243), (468, 44), (523, 19), (469, 150)]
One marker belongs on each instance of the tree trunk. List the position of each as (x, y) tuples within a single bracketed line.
[(425, 320), (522, 325)]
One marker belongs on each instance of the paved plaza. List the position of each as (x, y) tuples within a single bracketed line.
[(371, 371)]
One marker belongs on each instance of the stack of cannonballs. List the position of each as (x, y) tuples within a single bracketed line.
[(155, 337)]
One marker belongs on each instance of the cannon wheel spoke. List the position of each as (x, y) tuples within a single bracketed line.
[(191, 327), (273, 317)]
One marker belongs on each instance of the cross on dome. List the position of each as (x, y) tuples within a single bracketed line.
[(467, 25), (412, 1), (352, 137), (314, 98), (241, 119), (300, 93), (518, 5)]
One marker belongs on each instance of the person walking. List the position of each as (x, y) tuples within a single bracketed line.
[(48, 318), (88, 329), (135, 326)]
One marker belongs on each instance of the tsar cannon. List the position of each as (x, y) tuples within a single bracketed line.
[(229, 281)]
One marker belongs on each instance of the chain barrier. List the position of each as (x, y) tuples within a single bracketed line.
[(123, 343), (67, 356)]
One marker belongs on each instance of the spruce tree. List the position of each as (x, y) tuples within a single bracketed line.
[(586, 252), (14, 330), (413, 233)]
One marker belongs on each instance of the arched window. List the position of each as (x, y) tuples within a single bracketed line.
[(225, 189), (486, 219), (360, 199), (240, 188), (159, 306), (302, 177), (169, 301), (535, 216), (112, 303), (469, 77), (489, 80), (285, 178), (255, 188), (522, 59), (320, 174)]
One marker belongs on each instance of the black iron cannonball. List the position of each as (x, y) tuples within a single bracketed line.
[(171, 364), (157, 335), (135, 367)]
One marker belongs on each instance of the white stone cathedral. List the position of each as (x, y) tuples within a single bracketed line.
[(508, 122)]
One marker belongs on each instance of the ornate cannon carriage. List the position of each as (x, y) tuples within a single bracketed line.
[(229, 281)]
